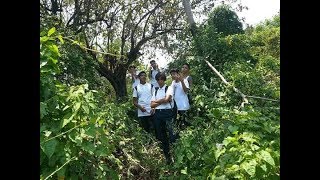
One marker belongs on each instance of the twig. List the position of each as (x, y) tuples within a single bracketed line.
[(63, 133), (91, 49), (73, 158)]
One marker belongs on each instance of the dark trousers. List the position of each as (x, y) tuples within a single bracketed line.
[(163, 127), (146, 122)]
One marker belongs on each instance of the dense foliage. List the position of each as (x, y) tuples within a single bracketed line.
[(86, 134)]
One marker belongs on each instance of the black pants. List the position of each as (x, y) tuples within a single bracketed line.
[(163, 126), (146, 122)]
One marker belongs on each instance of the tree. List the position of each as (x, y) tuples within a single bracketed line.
[(225, 20), (120, 29)]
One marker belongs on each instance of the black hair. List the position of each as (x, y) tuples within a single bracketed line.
[(186, 65), (161, 75), (174, 70), (142, 72), (132, 66), (152, 61)]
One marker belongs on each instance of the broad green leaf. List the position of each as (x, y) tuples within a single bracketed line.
[(66, 119), (54, 49), (51, 31), (85, 108), (233, 128), (265, 155), (49, 147), (61, 39), (102, 152), (249, 167), (77, 106), (218, 152), (91, 131), (88, 146), (264, 167), (44, 39)]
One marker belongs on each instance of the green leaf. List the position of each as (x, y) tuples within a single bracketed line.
[(249, 167), (184, 171), (264, 167), (77, 106), (91, 131), (189, 155), (43, 107), (265, 155), (218, 153), (54, 49), (102, 152), (51, 31), (49, 147), (233, 128), (61, 40), (66, 119), (88, 146), (86, 109), (44, 39)]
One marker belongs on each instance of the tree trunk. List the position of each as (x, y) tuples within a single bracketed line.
[(187, 9), (117, 78)]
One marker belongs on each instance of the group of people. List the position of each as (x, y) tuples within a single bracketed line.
[(159, 104)]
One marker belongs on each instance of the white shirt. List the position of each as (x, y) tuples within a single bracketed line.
[(144, 95), (161, 94), (180, 96), (153, 78)]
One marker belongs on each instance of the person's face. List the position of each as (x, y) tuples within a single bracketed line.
[(160, 82), (131, 70), (154, 64), (174, 75), (185, 68), (143, 77)]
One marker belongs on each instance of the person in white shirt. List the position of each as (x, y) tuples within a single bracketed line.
[(142, 94), (134, 75), (153, 71), (185, 72), (180, 89), (162, 102)]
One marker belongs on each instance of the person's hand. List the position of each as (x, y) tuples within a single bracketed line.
[(150, 67), (143, 109), (180, 77), (157, 66)]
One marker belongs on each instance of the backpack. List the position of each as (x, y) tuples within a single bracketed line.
[(137, 89), (190, 98)]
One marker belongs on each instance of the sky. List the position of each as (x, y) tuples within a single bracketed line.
[(258, 11)]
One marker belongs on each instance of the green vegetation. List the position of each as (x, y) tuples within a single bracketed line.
[(87, 133)]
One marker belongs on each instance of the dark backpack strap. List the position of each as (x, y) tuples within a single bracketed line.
[(151, 88), (155, 94)]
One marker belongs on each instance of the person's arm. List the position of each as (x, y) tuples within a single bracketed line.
[(135, 103), (184, 86), (153, 99)]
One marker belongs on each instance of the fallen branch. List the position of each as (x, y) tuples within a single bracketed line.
[(244, 97), (245, 100)]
